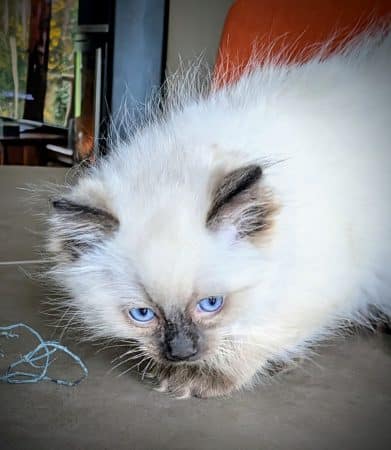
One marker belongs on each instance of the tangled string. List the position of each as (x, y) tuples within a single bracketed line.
[(39, 359)]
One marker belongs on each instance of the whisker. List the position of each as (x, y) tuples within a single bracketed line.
[(146, 368), (138, 356), (128, 352), (107, 347), (134, 365)]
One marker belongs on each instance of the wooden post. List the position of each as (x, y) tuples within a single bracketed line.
[(38, 59)]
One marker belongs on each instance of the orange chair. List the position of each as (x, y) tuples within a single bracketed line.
[(297, 25)]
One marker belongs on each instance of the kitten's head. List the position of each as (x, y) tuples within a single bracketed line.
[(165, 267)]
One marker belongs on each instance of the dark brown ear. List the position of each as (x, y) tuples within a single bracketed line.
[(75, 228), (237, 201)]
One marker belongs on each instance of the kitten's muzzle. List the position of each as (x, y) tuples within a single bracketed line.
[(181, 351), (180, 344)]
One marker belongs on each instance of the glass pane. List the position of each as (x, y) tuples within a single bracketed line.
[(14, 40), (58, 100)]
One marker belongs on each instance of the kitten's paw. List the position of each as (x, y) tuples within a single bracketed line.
[(212, 388), (162, 387), (171, 387), (185, 382)]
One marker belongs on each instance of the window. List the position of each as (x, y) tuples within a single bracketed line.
[(60, 65), (36, 73)]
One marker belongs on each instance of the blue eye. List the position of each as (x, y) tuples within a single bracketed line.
[(211, 304), (142, 314)]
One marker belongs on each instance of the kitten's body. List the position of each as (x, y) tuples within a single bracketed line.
[(318, 254)]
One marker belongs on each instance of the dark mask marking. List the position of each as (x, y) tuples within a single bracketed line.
[(78, 227), (180, 340), (97, 216), (233, 184), (240, 201)]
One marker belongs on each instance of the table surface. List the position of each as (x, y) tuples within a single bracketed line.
[(340, 400)]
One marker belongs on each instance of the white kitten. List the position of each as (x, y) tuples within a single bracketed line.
[(240, 226)]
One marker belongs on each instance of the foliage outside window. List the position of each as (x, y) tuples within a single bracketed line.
[(60, 66), (14, 41), (14, 44)]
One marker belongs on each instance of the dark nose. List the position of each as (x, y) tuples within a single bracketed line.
[(181, 348)]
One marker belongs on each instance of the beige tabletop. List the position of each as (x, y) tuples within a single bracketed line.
[(341, 400)]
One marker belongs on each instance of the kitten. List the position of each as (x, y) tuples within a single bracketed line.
[(239, 226)]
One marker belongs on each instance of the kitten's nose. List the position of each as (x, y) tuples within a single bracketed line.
[(181, 348)]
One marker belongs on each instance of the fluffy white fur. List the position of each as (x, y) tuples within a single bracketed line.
[(322, 134)]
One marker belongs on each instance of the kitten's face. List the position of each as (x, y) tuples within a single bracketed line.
[(186, 292), (175, 282)]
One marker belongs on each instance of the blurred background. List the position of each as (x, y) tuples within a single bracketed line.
[(67, 66)]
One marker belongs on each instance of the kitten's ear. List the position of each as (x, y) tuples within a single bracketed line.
[(239, 201), (77, 227)]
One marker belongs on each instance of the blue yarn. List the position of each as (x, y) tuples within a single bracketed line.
[(40, 358)]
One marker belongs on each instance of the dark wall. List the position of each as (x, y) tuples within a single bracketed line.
[(93, 12), (139, 50)]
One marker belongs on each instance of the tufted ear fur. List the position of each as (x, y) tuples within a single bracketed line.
[(239, 201), (75, 228)]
